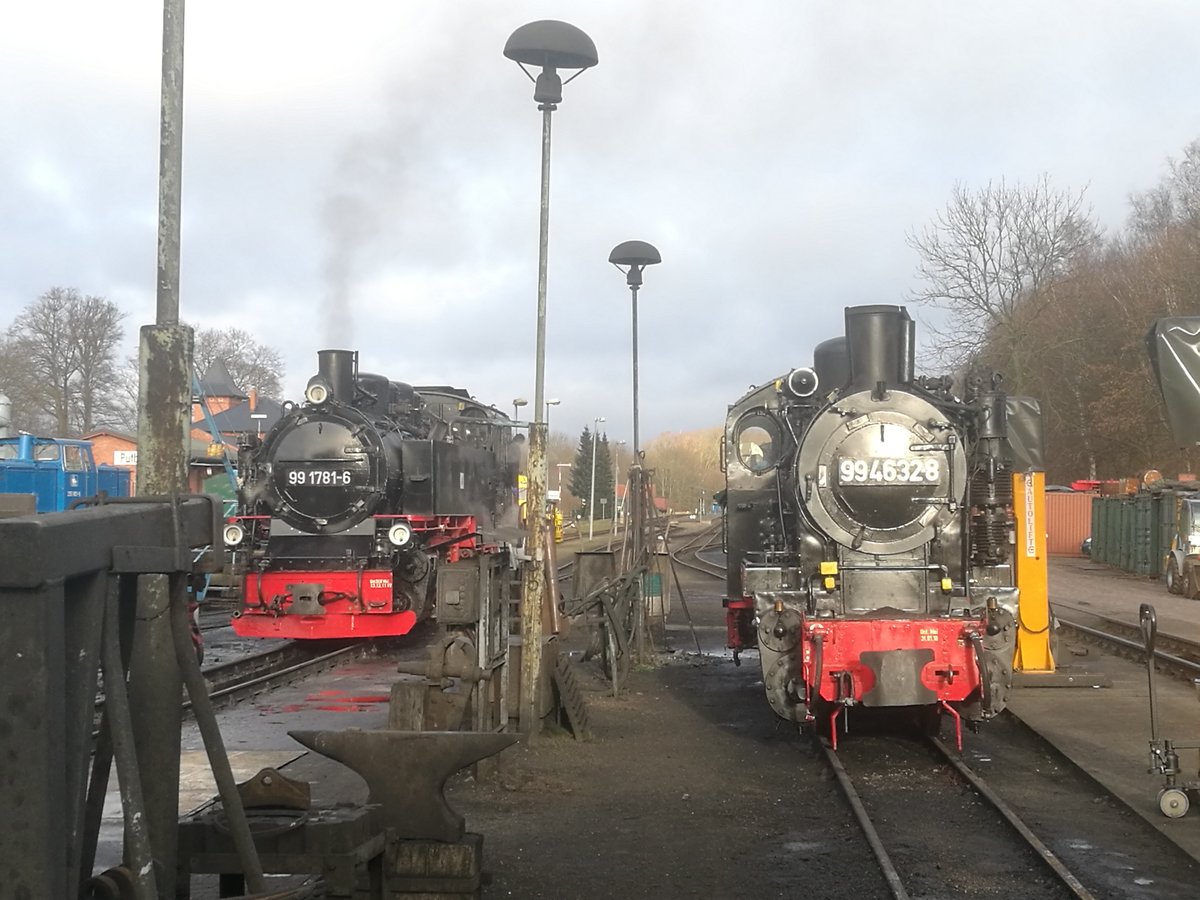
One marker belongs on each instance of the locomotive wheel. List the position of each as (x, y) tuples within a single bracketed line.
[(1174, 582), (1173, 802)]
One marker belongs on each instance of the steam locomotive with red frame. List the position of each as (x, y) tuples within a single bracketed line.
[(868, 526), (361, 503)]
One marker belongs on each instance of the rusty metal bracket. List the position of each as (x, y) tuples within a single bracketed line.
[(270, 788), (406, 773)]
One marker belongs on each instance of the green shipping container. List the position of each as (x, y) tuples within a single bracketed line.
[(1145, 535)]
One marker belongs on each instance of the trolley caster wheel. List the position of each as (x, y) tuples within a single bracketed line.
[(1173, 802)]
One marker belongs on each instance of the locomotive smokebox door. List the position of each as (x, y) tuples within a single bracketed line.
[(458, 593)]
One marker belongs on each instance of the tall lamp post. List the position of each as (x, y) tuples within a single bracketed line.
[(635, 256), (518, 402), (592, 492), (549, 45), (550, 403)]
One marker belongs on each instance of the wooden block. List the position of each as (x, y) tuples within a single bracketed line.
[(432, 870), (406, 707)]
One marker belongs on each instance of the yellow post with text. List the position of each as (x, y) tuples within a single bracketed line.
[(1033, 653)]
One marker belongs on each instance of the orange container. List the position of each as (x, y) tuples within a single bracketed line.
[(1068, 522)]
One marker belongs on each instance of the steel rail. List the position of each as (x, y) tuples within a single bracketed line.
[(708, 532), (864, 822), (888, 868), (693, 561), (287, 674), (697, 565), (1045, 853), (1190, 668), (229, 679)]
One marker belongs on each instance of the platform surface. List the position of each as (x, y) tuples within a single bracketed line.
[(1106, 731)]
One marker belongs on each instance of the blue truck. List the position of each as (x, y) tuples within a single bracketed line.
[(56, 471)]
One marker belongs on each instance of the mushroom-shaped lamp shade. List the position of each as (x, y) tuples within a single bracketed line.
[(551, 44), (634, 253)]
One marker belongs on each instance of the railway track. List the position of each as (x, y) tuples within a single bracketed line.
[(1176, 656), (935, 827), (257, 673), (688, 555), (288, 663), (215, 613)]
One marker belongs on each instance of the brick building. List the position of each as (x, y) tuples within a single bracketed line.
[(115, 448), (233, 414)]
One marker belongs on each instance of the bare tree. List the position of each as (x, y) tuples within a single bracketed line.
[(1175, 201), (95, 329), (686, 465), (65, 343), (23, 388), (254, 366), (990, 261)]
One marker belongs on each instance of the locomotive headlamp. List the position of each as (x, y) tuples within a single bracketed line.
[(802, 382), (317, 391), (400, 534), (233, 535)]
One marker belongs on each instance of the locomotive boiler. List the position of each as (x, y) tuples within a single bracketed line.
[(869, 530), (355, 506)]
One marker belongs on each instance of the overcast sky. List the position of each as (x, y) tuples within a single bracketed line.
[(365, 174)]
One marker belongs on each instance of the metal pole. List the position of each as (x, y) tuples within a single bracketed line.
[(616, 478), (170, 163), (534, 584), (638, 486), (539, 383), (637, 457), (164, 407), (592, 490)]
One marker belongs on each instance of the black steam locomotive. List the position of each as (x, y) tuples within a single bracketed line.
[(356, 498), (869, 528)]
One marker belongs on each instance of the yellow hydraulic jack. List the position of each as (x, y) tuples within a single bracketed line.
[(1033, 661), (1033, 652)]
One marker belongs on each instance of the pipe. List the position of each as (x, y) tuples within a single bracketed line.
[(120, 730), (206, 721)]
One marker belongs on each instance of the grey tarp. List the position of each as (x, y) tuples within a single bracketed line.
[(1174, 348), (1024, 441)]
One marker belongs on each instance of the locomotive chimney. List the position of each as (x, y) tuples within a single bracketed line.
[(339, 368), (880, 341), (830, 363)]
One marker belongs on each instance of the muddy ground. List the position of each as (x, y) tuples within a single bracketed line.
[(690, 787)]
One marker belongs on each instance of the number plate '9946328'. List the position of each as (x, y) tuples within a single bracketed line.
[(885, 470)]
